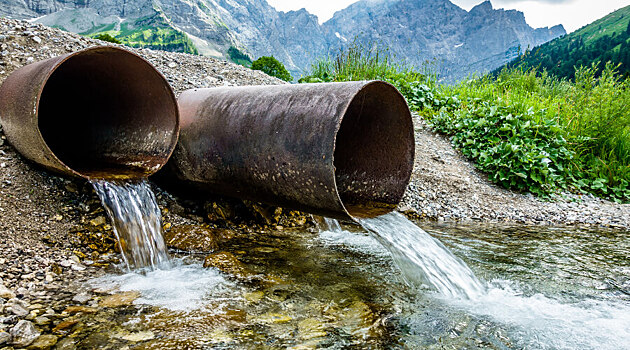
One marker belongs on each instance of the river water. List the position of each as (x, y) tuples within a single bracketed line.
[(519, 288)]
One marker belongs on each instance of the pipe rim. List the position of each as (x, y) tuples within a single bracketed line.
[(64, 59), (338, 125)]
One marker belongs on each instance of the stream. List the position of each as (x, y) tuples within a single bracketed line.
[(528, 287)]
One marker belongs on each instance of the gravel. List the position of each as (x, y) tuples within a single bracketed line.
[(446, 187)]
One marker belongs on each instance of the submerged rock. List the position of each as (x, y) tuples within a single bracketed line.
[(192, 238), (139, 336), (24, 333), (44, 342), (311, 328), (120, 299), (229, 264)]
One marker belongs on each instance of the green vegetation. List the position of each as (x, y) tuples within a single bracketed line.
[(108, 38), (238, 57), (273, 67), (527, 129), (606, 40), (150, 32), (361, 61)]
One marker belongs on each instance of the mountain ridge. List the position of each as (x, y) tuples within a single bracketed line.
[(416, 31)]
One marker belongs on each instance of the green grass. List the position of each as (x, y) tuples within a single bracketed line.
[(528, 130), (614, 22), (149, 32)]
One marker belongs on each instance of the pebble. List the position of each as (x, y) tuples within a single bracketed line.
[(82, 298), (24, 333), (4, 338), (44, 342), (18, 310), (6, 293), (120, 299)]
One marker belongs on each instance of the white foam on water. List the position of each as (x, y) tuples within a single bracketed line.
[(541, 322), (181, 288)]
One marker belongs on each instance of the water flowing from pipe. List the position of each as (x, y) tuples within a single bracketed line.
[(422, 258), (136, 217)]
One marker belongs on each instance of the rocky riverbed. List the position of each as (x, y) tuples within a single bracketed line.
[(54, 234)]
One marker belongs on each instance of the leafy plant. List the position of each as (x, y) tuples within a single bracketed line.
[(108, 38), (273, 67)]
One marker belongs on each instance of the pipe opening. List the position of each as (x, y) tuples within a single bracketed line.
[(374, 151), (105, 112)]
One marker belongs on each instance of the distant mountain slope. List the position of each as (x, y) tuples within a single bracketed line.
[(416, 31), (605, 40)]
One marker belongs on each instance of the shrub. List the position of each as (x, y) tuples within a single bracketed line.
[(273, 67), (108, 38)]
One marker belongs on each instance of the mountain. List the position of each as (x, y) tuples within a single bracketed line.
[(605, 40), (458, 42)]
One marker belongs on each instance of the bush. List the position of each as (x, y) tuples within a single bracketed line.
[(108, 38), (515, 151), (273, 67)]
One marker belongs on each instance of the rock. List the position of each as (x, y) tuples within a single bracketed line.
[(99, 221), (5, 338), (79, 309), (82, 298), (311, 328), (120, 299), (139, 336), (18, 310), (193, 238), (358, 319), (64, 325), (37, 39), (24, 333), (254, 297), (229, 264), (271, 317), (44, 342), (6, 293), (66, 344), (41, 320)]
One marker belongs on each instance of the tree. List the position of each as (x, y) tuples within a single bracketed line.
[(108, 38), (273, 67)]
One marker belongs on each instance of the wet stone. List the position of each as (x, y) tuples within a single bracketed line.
[(311, 328), (226, 262), (120, 299), (193, 238), (24, 333), (44, 342), (4, 338)]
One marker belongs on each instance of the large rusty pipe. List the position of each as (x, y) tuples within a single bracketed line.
[(99, 112), (339, 150)]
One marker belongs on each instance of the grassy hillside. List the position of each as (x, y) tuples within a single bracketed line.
[(605, 40), (529, 131), (150, 32)]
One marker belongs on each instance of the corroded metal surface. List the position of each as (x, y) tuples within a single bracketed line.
[(98, 112), (337, 149)]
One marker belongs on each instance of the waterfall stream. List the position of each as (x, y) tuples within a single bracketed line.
[(136, 217)]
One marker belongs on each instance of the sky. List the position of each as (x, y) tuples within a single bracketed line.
[(573, 14)]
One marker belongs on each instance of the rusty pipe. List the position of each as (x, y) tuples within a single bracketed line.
[(96, 113), (339, 150)]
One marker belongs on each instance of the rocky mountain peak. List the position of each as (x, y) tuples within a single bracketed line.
[(415, 31)]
